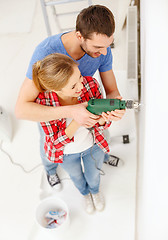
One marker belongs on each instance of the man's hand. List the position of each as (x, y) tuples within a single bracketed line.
[(113, 115), (81, 115), (117, 114)]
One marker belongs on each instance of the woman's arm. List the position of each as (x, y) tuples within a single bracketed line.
[(57, 135), (71, 129)]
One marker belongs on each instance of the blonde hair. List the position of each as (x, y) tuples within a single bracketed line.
[(53, 72)]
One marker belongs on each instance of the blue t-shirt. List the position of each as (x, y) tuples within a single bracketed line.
[(87, 65)]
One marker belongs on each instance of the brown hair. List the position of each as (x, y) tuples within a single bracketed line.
[(53, 72), (95, 19)]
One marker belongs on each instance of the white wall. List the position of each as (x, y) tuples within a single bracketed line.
[(152, 187)]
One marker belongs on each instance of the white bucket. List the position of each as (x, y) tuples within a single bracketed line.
[(52, 204)]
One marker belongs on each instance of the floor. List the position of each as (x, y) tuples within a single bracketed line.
[(21, 192)]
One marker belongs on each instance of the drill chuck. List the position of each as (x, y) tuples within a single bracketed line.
[(97, 106), (129, 104)]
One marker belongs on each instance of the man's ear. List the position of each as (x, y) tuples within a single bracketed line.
[(79, 36)]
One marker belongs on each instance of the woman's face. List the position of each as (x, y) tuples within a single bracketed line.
[(74, 85)]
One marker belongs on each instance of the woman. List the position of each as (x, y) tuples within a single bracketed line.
[(59, 80)]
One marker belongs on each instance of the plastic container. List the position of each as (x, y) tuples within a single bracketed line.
[(52, 204)]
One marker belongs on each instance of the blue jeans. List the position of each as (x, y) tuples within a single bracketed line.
[(50, 167), (89, 180)]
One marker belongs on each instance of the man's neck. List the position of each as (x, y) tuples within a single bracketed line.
[(72, 46)]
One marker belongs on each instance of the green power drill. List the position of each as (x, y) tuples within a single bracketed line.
[(97, 106)]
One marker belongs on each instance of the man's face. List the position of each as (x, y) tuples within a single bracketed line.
[(97, 45)]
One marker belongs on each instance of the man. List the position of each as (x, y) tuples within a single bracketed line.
[(89, 45)]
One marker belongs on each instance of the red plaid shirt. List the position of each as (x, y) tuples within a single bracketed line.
[(55, 130)]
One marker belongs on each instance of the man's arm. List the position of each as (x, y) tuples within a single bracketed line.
[(27, 109), (110, 86), (109, 83)]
